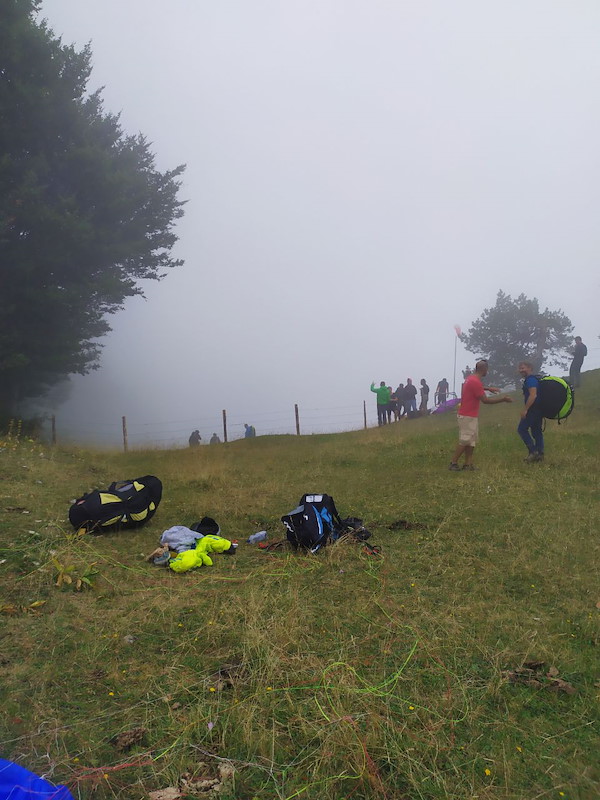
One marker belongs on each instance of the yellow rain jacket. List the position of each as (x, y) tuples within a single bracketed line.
[(190, 559)]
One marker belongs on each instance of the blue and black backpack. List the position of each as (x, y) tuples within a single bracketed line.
[(316, 522)]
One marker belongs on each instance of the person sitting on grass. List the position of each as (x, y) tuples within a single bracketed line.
[(473, 393)]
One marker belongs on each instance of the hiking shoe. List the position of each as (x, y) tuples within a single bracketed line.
[(539, 456), (531, 458), (454, 467), (469, 468)]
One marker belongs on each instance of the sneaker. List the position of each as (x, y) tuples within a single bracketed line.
[(469, 468), (454, 467)]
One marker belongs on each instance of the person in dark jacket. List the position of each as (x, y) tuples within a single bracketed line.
[(194, 439), (579, 353), (424, 396), (410, 392)]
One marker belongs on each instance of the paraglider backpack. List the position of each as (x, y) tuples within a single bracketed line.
[(313, 523), (556, 397), (125, 504)]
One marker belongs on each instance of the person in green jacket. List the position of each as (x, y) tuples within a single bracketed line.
[(384, 397)]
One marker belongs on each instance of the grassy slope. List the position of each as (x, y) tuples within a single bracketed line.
[(362, 677)]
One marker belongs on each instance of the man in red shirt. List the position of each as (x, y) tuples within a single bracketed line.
[(473, 393)]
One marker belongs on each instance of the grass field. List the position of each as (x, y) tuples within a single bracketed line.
[(350, 675)]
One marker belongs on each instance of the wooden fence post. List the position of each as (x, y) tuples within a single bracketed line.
[(297, 419), (53, 419), (125, 447), (224, 425), (365, 412)]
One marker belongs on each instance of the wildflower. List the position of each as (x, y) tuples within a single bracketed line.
[(269, 688), (180, 625), (76, 759), (411, 708), (487, 771), (212, 689), (105, 775), (111, 694), (520, 749)]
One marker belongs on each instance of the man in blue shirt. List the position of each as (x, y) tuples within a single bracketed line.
[(530, 426)]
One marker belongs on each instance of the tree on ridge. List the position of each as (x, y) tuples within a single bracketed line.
[(517, 330)]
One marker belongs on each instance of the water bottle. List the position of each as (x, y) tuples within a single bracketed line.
[(257, 537)]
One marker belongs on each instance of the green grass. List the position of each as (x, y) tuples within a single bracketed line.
[(360, 677)]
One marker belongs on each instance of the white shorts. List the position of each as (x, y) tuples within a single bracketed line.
[(468, 430)]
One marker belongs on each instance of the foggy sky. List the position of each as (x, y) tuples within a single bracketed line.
[(360, 177)]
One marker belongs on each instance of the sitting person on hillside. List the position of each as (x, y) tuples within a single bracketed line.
[(195, 438), (214, 439)]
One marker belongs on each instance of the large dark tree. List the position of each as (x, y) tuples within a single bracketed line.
[(516, 330), (84, 213)]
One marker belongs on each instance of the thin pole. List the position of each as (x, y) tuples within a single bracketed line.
[(224, 425), (297, 419), (53, 418), (454, 379), (365, 412), (124, 420)]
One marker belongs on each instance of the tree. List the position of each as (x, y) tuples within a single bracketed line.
[(516, 330), (84, 214)]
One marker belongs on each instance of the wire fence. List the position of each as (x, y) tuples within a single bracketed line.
[(136, 434)]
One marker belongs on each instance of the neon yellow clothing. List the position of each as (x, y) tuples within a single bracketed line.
[(190, 559)]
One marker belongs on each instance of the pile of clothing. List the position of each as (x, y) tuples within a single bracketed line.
[(182, 549)]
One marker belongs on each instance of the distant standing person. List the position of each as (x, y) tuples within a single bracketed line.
[(530, 426), (579, 353), (383, 401), (401, 399), (424, 396), (249, 432), (411, 396), (473, 393), (390, 405), (214, 439), (194, 439), (441, 393)]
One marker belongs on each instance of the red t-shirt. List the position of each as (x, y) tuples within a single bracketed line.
[(472, 392)]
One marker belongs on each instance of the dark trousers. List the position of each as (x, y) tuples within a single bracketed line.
[(534, 441), (381, 414), (575, 374)]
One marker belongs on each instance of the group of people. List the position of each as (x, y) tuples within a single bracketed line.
[(402, 401), (530, 427), (195, 438)]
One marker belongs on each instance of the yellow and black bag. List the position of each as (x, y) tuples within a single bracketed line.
[(125, 504)]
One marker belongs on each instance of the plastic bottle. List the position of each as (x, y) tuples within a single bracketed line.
[(257, 537)]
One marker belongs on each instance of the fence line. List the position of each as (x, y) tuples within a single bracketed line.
[(322, 420)]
